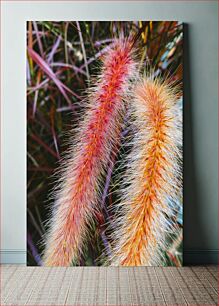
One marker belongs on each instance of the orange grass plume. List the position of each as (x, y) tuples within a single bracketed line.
[(78, 190), (152, 177)]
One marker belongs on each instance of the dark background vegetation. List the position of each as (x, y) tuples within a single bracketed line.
[(62, 60)]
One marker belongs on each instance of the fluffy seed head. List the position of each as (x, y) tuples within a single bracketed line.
[(77, 194), (153, 176)]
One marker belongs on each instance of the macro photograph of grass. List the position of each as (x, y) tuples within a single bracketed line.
[(104, 143)]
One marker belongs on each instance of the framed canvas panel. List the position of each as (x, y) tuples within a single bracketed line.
[(104, 143)]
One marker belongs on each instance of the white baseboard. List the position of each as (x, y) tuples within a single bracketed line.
[(13, 256), (191, 257)]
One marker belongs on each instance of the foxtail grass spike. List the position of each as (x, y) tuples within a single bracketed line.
[(152, 178), (78, 191)]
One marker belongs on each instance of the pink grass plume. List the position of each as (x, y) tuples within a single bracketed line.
[(78, 190)]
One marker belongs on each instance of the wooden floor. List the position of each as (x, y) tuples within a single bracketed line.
[(109, 286)]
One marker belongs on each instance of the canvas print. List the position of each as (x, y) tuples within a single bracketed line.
[(104, 143)]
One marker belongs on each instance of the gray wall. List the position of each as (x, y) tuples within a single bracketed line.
[(200, 115)]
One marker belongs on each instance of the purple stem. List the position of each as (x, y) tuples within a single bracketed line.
[(110, 169), (106, 187), (55, 142), (76, 69), (125, 132), (38, 39), (64, 109), (104, 41), (35, 102), (28, 73), (34, 250), (83, 49), (98, 54), (32, 89), (109, 174), (106, 244), (53, 51)]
